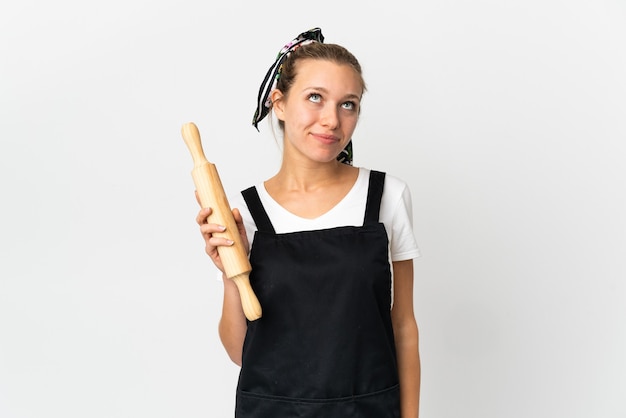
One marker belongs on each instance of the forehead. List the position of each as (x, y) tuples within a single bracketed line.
[(329, 75)]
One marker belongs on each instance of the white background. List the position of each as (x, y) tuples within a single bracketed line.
[(506, 118)]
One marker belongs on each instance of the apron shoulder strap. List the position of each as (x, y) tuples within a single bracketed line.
[(262, 221), (374, 197)]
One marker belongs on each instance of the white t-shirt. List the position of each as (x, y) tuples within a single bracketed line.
[(396, 214)]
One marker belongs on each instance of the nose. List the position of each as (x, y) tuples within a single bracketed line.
[(329, 116)]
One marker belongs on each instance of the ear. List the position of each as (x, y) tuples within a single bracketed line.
[(278, 105)]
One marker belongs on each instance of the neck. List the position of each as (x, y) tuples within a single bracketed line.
[(309, 175), (309, 190)]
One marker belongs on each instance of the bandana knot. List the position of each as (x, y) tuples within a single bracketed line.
[(264, 104)]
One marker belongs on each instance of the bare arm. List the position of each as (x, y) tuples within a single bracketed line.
[(233, 325), (406, 339)]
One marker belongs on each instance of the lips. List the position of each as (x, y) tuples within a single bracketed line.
[(326, 139)]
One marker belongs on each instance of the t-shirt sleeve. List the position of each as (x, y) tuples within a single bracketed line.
[(403, 245)]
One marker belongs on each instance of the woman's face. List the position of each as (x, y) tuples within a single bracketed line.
[(321, 111)]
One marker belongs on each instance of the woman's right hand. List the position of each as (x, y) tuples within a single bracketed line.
[(212, 242)]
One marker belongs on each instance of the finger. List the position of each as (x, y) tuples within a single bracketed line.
[(220, 242), (239, 220), (241, 227), (209, 229), (203, 215), (237, 215)]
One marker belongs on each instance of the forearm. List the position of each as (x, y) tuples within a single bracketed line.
[(409, 369), (232, 326), (406, 339)]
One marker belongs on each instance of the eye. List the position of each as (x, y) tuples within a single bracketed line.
[(349, 105), (315, 98)]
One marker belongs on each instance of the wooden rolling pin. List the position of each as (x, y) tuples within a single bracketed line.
[(211, 194)]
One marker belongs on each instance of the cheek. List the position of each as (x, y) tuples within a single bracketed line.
[(350, 122), (303, 117)]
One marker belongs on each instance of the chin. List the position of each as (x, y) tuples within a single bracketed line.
[(327, 158)]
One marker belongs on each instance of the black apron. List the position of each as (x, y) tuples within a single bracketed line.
[(324, 347)]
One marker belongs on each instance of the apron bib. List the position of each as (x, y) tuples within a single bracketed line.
[(324, 346)]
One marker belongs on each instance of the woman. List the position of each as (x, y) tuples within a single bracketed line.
[(332, 253)]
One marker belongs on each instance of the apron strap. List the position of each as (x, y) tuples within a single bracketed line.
[(372, 206), (262, 221), (374, 197)]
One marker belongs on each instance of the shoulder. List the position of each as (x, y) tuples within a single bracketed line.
[(396, 196), (395, 188), (395, 185)]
